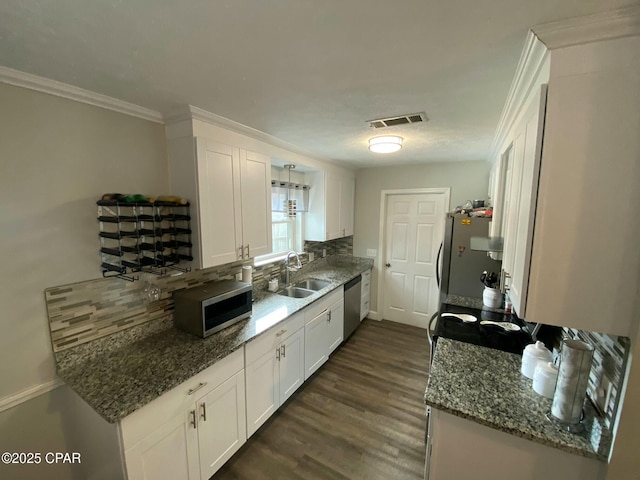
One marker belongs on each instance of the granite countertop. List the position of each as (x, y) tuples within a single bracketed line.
[(119, 374), (485, 386)]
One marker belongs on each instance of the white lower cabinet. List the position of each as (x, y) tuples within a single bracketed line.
[(206, 425), (365, 299), (274, 370), (323, 330), (491, 454)]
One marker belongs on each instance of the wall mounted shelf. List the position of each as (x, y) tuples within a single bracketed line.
[(143, 237)]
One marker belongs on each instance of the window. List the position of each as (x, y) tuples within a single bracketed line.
[(283, 232)]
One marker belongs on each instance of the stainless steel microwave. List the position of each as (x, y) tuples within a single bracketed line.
[(209, 308)]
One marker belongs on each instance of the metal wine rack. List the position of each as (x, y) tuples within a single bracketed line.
[(143, 237)]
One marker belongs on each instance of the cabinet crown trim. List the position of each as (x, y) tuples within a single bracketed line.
[(622, 22)]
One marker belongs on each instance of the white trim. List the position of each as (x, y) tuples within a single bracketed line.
[(380, 263), (373, 315), (32, 392), (59, 89), (533, 59), (194, 113), (622, 22)]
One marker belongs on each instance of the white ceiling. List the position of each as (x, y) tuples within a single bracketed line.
[(309, 72)]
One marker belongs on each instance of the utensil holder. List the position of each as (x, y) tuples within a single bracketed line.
[(492, 297), (573, 377)]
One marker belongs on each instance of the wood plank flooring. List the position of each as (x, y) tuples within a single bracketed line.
[(361, 416)]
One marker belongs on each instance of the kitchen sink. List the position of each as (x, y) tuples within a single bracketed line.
[(312, 284), (296, 292)]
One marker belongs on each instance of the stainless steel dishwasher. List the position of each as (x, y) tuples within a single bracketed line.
[(352, 298)]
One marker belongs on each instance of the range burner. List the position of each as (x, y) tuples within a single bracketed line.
[(484, 335)]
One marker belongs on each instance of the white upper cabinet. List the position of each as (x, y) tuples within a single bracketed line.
[(331, 206), (230, 192), (585, 258), (522, 164), (567, 173)]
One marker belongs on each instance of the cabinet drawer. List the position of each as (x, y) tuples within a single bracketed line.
[(324, 303), (142, 422), (269, 340)]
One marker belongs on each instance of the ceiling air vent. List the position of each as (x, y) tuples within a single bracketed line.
[(399, 120)]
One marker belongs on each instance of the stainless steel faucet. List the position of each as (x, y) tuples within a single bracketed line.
[(291, 268)]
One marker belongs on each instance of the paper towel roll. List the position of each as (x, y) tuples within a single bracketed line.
[(573, 377), (247, 274)]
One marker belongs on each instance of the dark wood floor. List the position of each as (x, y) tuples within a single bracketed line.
[(360, 417)]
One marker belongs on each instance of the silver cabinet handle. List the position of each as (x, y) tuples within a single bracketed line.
[(248, 251), (241, 250), (329, 316), (195, 389), (284, 351), (193, 418), (277, 354), (203, 415), (503, 281), (281, 332)]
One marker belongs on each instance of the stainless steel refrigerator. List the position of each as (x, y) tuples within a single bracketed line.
[(461, 266)]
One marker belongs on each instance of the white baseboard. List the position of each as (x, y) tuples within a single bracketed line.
[(32, 392), (373, 315)]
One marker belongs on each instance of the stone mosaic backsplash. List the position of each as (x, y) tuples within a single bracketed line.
[(81, 312), (610, 358)]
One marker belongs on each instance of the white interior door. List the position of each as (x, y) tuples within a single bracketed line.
[(414, 228)]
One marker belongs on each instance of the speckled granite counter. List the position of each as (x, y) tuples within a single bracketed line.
[(486, 386), (121, 373)]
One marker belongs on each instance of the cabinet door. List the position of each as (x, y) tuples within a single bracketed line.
[(262, 391), (530, 148), (256, 202), (335, 325), (332, 198), (220, 213), (291, 365), (168, 453), (222, 426), (315, 344), (347, 200)]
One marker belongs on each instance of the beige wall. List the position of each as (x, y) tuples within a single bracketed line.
[(467, 180), (56, 158)]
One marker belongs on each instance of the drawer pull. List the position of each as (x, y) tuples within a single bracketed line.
[(194, 390), (193, 418), (281, 332)]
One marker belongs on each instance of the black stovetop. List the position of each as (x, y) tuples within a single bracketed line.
[(483, 335)]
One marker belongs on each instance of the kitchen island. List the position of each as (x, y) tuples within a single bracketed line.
[(480, 401)]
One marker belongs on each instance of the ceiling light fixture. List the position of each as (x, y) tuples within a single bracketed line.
[(385, 144)]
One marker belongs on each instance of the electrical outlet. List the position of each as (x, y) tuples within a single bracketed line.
[(324, 252), (239, 276), (603, 393), (311, 257), (371, 252)]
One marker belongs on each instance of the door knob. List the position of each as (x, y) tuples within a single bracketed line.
[(387, 265)]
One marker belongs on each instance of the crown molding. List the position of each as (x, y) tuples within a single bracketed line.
[(622, 22), (59, 89), (533, 59), (190, 113)]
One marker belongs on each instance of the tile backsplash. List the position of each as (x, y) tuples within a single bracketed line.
[(81, 312), (610, 358)]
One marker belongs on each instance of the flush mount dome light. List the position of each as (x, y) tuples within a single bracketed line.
[(385, 144)]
